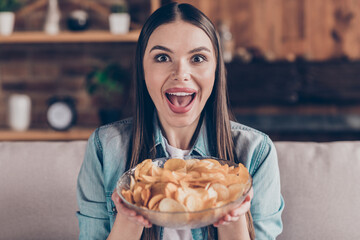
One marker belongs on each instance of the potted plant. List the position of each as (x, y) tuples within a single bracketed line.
[(108, 87), (7, 16), (119, 19)]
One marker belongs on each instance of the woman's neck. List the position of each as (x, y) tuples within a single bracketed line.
[(179, 137)]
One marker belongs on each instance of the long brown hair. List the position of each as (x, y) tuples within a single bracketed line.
[(216, 110)]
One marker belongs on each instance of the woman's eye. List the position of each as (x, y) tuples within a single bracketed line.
[(198, 58), (162, 58)]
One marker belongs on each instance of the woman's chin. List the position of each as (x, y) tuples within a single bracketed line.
[(182, 120)]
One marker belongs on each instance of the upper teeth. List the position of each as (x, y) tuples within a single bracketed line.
[(180, 93)]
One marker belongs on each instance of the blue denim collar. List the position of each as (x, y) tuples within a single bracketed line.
[(200, 147)]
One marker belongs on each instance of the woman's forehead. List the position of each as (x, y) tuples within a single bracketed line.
[(179, 33)]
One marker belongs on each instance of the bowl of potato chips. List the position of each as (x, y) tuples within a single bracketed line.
[(184, 193)]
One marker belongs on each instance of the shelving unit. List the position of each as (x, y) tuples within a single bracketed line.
[(45, 135), (39, 37), (91, 36), (69, 37)]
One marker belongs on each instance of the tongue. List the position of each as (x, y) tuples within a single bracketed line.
[(180, 101)]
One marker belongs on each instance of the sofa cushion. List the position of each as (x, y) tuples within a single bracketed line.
[(320, 186), (38, 189)]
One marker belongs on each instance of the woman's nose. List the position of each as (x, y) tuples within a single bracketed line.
[(181, 71)]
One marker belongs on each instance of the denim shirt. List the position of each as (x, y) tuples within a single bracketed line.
[(105, 160)]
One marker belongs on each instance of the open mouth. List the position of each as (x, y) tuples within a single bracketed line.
[(180, 99)]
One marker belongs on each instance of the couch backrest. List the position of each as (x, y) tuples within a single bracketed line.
[(38, 190), (320, 185)]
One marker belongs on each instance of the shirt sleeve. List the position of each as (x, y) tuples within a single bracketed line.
[(267, 203), (94, 222)]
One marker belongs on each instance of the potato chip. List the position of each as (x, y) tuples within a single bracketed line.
[(175, 164), (178, 175), (223, 192), (145, 196), (190, 163), (137, 194), (233, 179), (212, 193), (150, 179), (143, 168), (235, 190), (170, 190), (155, 200), (171, 205), (192, 176), (132, 183), (156, 171), (127, 195), (209, 203), (213, 163), (158, 188), (193, 203), (225, 168), (180, 195), (183, 183)]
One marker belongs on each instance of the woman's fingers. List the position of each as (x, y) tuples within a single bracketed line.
[(130, 214), (242, 209), (244, 206), (221, 221), (124, 210), (235, 214), (218, 223), (140, 220), (229, 218)]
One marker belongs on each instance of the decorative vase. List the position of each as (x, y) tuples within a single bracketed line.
[(119, 23), (52, 23), (7, 22), (19, 112)]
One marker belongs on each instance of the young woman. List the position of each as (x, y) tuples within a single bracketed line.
[(181, 108)]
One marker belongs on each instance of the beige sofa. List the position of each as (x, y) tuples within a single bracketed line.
[(320, 185)]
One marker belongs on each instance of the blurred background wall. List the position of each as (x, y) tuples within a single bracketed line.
[(293, 65)]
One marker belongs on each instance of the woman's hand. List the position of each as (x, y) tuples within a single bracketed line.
[(235, 214), (128, 213)]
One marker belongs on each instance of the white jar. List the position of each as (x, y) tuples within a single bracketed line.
[(7, 22), (52, 22), (119, 23), (19, 112)]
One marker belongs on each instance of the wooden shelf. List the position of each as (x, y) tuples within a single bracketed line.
[(69, 37), (45, 135)]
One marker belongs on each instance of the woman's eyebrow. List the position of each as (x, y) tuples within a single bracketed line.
[(158, 47), (199, 49)]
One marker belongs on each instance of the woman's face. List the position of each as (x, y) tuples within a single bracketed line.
[(179, 68)]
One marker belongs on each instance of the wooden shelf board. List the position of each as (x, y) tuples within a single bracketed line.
[(45, 135), (69, 37)]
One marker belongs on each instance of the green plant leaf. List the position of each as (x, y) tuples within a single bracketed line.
[(108, 82), (9, 5), (119, 8)]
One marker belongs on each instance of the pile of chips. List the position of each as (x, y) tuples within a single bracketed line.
[(185, 185)]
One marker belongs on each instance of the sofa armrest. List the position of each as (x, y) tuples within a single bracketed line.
[(38, 189), (319, 183)]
